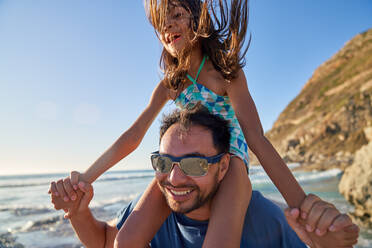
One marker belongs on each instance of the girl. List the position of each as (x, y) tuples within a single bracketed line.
[(202, 61)]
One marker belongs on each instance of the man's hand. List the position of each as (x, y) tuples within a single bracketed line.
[(91, 232), (332, 229), (319, 216), (81, 201), (66, 190)]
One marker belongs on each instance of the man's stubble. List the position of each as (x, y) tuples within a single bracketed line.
[(199, 201)]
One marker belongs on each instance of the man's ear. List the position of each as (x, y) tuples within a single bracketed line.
[(224, 166)]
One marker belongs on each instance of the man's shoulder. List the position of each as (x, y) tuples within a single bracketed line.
[(266, 226), (124, 213), (260, 204), (263, 213)]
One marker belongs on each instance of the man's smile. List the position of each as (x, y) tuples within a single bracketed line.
[(179, 194)]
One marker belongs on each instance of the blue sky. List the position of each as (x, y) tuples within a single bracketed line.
[(75, 74)]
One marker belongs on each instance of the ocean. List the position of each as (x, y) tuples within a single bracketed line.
[(28, 219)]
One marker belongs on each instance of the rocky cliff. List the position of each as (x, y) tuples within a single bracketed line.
[(356, 183), (323, 126)]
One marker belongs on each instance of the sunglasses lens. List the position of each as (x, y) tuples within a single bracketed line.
[(190, 166), (161, 164), (194, 166)]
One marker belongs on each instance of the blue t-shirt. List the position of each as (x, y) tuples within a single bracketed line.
[(265, 226)]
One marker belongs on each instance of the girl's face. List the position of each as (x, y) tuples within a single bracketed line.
[(177, 32)]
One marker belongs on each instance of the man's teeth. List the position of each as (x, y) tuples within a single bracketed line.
[(180, 192)]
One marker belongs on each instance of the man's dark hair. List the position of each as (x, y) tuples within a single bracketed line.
[(199, 115)]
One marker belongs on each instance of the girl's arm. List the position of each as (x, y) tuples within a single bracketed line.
[(123, 146), (271, 161), (131, 138)]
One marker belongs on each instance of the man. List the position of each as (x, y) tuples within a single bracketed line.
[(192, 160)]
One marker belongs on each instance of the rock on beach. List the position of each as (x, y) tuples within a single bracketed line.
[(8, 241), (356, 184)]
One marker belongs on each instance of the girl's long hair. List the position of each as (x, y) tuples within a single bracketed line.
[(220, 28)]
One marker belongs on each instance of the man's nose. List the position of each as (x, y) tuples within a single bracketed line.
[(176, 176)]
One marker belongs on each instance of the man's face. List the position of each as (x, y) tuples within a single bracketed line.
[(185, 194)]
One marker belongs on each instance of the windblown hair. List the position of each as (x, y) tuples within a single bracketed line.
[(220, 27), (199, 115)]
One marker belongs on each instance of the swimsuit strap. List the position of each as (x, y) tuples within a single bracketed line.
[(200, 68)]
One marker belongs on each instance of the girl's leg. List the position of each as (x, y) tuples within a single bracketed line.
[(229, 207), (145, 220)]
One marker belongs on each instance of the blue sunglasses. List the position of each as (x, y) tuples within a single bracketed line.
[(190, 165)]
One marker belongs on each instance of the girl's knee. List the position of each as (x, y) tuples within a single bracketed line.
[(238, 168)]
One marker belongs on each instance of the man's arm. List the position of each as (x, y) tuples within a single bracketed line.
[(91, 232)]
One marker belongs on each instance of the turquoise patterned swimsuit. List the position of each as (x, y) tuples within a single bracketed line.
[(218, 105)]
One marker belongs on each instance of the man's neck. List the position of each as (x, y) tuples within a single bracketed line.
[(200, 214)]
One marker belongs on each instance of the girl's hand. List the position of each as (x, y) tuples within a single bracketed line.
[(75, 178)]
